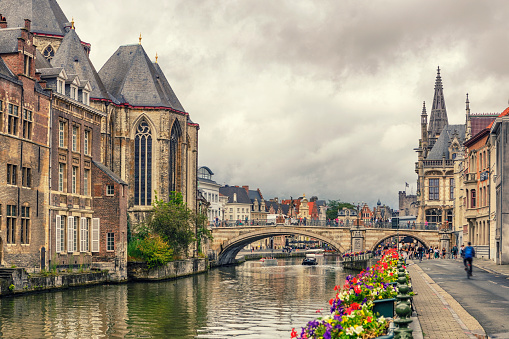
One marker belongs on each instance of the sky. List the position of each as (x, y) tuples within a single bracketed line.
[(321, 98)]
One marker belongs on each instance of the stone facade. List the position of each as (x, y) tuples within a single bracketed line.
[(407, 204)]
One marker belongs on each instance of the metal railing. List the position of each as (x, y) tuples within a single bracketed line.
[(332, 223)]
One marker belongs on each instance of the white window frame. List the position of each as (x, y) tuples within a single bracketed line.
[(96, 227), (108, 242), (86, 142), (61, 167), (84, 235), (70, 234), (58, 235), (75, 138)]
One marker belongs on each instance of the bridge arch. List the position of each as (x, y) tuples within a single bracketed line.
[(230, 249), (411, 235)]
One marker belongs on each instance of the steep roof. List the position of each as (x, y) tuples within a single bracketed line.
[(255, 195), (9, 39), (480, 122), (112, 175), (441, 147), (6, 73), (40, 61), (132, 78), (72, 57), (438, 117), (229, 191), (46, 16)]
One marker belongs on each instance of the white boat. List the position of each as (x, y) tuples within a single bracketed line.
[(316, 252)]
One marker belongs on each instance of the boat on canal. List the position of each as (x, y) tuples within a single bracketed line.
[(309, 261)]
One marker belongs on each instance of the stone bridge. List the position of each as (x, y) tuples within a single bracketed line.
[(228, 241)]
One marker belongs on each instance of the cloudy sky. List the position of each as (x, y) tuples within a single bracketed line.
[(315, 97)]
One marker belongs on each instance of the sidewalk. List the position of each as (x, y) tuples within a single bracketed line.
[(438, 314)]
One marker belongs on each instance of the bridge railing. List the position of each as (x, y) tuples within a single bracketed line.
[(333, 223)]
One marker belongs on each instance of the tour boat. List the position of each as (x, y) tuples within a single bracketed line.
[(309, 261)]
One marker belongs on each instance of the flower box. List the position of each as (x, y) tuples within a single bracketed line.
[(390, 333), (385, 307)]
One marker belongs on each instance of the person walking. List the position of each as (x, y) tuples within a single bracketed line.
[(454, 252), (469, 254), (437, 255), (420, 251), (462, 251), (443, 252)]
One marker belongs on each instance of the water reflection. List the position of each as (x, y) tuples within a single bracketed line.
[(249, 301)]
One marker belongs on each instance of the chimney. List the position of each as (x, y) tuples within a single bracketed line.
[(234, 197), (27, 24), (3, 22), (246, 188)]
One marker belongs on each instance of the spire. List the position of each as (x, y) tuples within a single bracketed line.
[(72, 23), (438, 117), (468, 130), (139, 43), (156, 57)]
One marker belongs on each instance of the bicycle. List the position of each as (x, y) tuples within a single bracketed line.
[(468, 267)]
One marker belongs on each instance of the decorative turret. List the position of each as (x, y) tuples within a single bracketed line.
[(468, 130), (424, 131), (438, 117)]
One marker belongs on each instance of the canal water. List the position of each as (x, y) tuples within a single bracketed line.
[(253, 300)]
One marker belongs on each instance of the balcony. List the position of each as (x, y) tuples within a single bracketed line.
[(438, 163)]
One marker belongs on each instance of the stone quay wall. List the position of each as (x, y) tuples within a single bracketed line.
[(139, 271)]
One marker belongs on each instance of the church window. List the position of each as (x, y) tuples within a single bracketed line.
[(174, 140), (48, 53), (434, 189), (143, 165)]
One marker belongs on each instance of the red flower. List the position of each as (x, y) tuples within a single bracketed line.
[(294, 333), (355, 306), (330, 301), (368, 319), (357, 289)]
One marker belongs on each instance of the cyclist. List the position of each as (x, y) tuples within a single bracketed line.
[(468, 255)]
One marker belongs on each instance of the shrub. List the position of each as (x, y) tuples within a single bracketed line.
[(152, 249)]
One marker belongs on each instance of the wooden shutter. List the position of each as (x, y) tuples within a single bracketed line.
[(70, 234), (95, 234), (83, 246), (58, 235)]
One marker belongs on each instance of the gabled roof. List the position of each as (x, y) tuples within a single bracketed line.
[(112, 175), (229, 191), (441, 147), (255, 195), (40, 60), (132, 78), (46, 15), (9, 39), (72, 57)]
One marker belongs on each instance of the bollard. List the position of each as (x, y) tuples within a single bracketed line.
[(403, 309)]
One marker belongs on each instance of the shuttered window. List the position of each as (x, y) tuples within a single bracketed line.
[(70, 234), (59, 234), (84, 247), (95, 234)]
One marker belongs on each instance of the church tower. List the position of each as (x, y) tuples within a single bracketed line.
[(438, 117)]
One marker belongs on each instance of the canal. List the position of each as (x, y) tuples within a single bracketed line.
[(253, 300)]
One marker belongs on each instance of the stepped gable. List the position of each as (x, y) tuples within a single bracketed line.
[(441, 147), (72, 57), (132, 78), (46, 16)]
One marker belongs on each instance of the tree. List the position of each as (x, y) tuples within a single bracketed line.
[(202, 231), (172, 220), (333, 206)]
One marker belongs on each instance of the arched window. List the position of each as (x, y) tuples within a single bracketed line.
[(174, 155), (143, 165), (48, 53)]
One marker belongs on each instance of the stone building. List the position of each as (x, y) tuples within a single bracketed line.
[(407, 204), (210, 191), (238, 207), (438, 149), (24, 151)]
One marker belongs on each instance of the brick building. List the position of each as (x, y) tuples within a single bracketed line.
[(24, 150)]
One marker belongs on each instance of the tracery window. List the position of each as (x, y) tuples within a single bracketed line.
[(48, 53), (143, 165), (174, 148)]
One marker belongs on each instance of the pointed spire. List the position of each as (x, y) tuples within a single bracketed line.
[(438, 116), (468, 130), (72, 23), (139, 43), (424, 108)]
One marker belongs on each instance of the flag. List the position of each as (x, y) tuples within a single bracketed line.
[(406, 184)]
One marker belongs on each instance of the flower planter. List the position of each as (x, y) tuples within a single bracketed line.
[(390, 333), (385, 307)]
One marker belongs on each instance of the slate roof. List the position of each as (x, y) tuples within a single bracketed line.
[(132, 78), (72, 57), (46, 15), (9, 40), (441, 147), (254, 194), (6, 73), (242, 196), (112, 175), (40, 60)]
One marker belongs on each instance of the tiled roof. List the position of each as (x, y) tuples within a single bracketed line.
[(441, 147), (9, 39), (503, 114), (112, 175), (46, 15), (480, 122), (6, 73), (40, 61), (132, 78), (72, 57), (242, 196)]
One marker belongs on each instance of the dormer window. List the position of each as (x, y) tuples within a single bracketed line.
[(86, 98), (74, 93), (60, 86)]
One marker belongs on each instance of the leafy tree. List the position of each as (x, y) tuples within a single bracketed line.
[(199, 220), (333, 206), (172, 221)]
